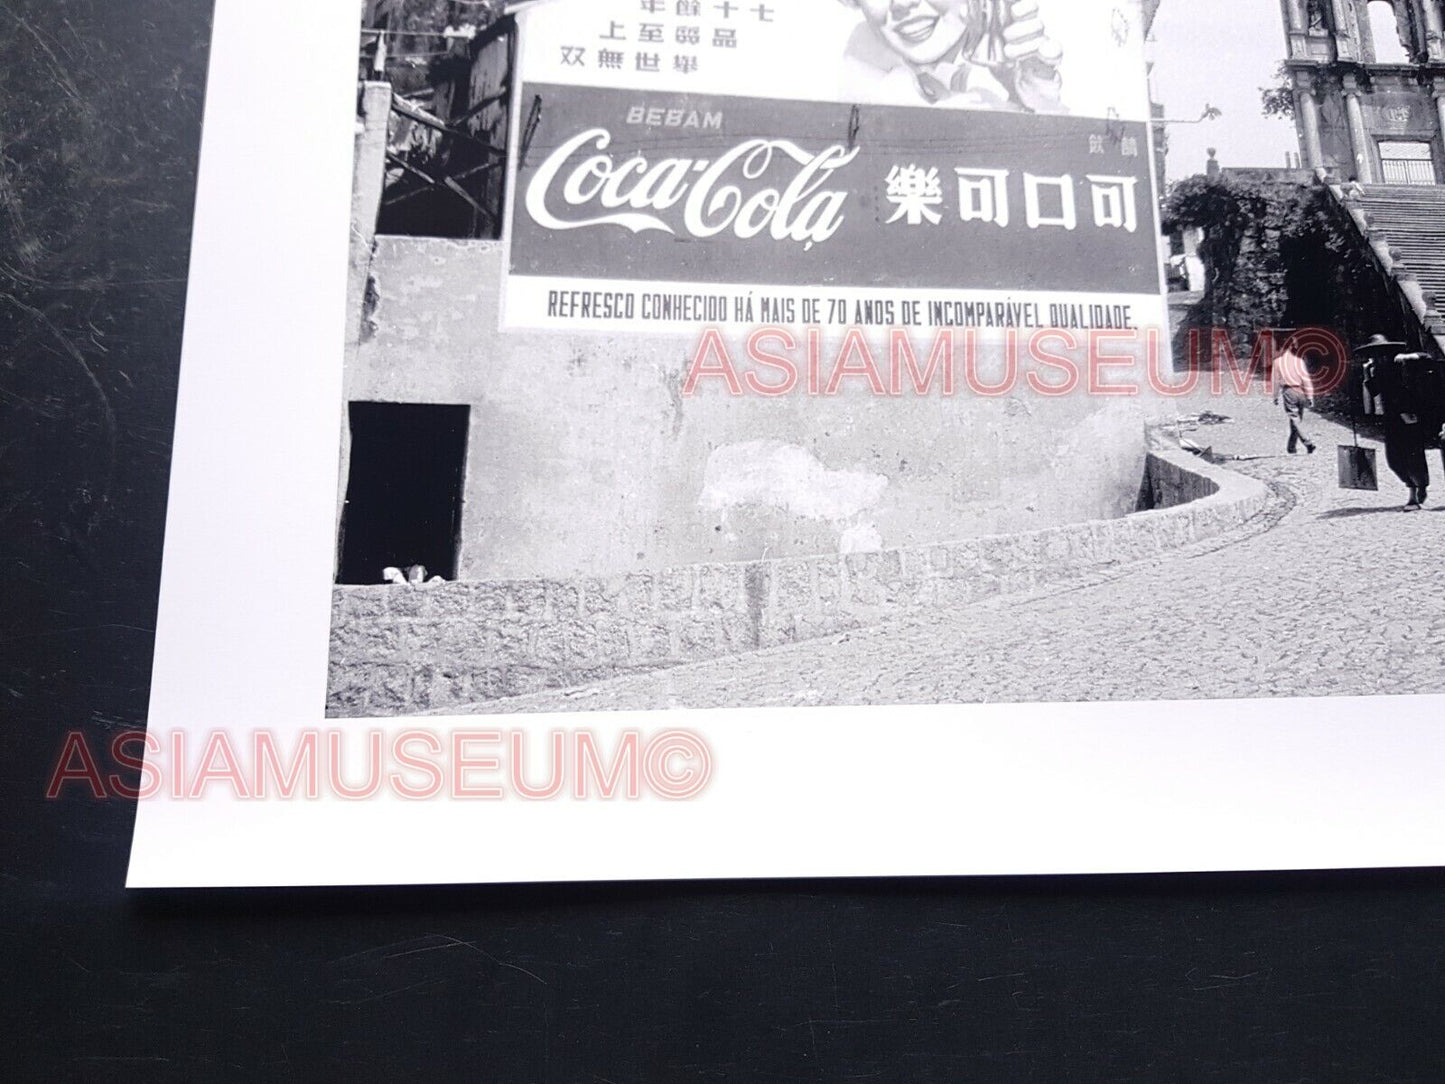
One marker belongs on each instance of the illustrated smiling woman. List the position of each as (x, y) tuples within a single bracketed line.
[(983, 54)]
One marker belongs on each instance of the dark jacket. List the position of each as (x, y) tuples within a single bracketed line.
[(1409, 386)]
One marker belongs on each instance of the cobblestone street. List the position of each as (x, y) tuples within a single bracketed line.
[(1330, 592)]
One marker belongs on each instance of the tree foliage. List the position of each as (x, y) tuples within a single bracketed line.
[(1227, 209), (1277, 254), (1278, 100)]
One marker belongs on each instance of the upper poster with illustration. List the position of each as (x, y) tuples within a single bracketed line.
[(1038, 56)]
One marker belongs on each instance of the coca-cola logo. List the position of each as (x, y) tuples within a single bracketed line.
[(699, 197)]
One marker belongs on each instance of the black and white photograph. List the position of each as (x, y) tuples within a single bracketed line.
[(599, 541), (1084, 357), (695, 412)]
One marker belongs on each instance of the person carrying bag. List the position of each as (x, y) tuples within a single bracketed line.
[(1412, 395)]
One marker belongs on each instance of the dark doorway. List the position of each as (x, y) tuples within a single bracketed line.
[(404, 491)]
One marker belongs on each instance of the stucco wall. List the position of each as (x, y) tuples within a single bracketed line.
[(399, 650), (586, 458)]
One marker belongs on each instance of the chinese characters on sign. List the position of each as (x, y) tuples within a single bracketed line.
[(1128, 145), (672, 35), (983, 196), (916, 193)]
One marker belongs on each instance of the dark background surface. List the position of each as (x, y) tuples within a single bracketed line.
[(1272, 978)]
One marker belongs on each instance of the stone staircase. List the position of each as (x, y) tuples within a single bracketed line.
[(1405, 225), (1413, 222)]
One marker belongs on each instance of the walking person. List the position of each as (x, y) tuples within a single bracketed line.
[(1408, 387), (1294, 386)]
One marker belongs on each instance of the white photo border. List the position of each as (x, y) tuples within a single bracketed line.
[(245, 611)]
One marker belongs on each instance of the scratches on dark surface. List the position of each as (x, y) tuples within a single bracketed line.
[(1215, 980), (448, 942), (96, 500), (425, 983), (100, 108), (430, 943)]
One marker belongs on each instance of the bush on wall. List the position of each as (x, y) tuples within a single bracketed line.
[(1278, 255)]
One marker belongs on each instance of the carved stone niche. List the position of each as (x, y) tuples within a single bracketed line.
[(1344, 21)]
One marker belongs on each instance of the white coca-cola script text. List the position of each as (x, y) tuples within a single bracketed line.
[(705, 197)]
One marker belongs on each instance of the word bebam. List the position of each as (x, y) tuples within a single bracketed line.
[(657, 117)]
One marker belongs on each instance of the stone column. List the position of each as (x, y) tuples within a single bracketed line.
[(1309, 120), (1434, 29), (373, 118), (1364, 32), (1439, 92), (369, 181), (1294, 12), (1359, 137), (1343, 35)]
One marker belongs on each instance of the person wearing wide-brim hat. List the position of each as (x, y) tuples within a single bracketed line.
[(1406, 385)]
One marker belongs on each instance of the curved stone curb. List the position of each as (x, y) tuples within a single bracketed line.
[(1217, 499), (404, 650)]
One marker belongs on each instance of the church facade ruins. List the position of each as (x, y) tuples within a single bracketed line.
[(1368, 78)]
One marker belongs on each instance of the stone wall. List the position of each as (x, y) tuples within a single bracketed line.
[(1170, 481), (585, 457), (402, 650)]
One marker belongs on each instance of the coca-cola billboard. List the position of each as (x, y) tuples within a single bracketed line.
[(645, 198), (698, 197)]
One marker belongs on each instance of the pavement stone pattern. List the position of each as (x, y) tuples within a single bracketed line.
[(1328, 592), (444, 646)]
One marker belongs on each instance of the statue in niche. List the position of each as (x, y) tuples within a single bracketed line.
[(1316, 18)]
